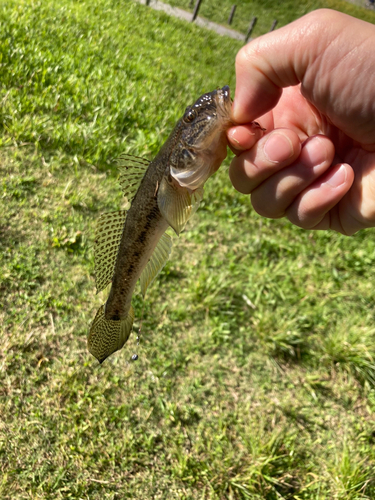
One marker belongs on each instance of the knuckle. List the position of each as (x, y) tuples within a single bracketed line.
[(248, 53), (241, 57)]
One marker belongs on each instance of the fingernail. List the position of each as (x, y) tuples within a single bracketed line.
[(314, 152), (278, 148), (231, 135), (338, 178)]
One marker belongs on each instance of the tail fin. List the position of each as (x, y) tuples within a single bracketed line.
[(107, 336)]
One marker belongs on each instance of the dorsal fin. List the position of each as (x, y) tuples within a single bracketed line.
[(156, 263), (107, 241), (132, 169), (177, 204)]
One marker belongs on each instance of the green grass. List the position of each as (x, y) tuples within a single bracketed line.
[(266, 11), (256, 370)]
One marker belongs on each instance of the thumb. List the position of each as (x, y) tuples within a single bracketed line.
[(296, 53)]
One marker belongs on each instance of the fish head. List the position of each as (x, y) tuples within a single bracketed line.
[(201, 146), (205, 117)]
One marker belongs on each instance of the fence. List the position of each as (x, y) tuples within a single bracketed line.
[(230, 19)]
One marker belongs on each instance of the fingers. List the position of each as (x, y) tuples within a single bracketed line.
[(316, 207), (278, 192), (269, 155), (299, 182)]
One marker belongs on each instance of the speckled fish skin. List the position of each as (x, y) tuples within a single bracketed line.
[(194, 150)]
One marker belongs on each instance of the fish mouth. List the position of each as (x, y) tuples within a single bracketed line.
[(226, 92), (224, 104)]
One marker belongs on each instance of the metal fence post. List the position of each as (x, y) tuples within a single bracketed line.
[(273, 25), (231, 15), (196, 10), (251, 27)]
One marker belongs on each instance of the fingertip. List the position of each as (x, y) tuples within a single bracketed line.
[(310, 209), (243, 137), (341, 177), (316, 150), (279, 147)]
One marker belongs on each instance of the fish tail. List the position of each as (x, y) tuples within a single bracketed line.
[(107, 336)]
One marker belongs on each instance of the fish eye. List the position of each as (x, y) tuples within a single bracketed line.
[(189, 117)]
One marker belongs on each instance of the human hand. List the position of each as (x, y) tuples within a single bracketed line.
[(315, 164)]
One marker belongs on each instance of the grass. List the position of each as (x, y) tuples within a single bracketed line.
[(255, 377), (267, 11)]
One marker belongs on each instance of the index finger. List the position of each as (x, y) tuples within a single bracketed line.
[(243, 137)]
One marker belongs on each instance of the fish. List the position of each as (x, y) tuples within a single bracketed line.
[(133, 244)]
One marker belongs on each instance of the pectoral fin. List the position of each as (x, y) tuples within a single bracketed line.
[(156, 263), (107, 241), (177, 204), (107, 336)]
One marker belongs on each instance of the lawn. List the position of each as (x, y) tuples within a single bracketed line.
[(256, 369)]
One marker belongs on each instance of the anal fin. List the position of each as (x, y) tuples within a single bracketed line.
[(107, 242), (107, 336), (177, 204), (156, 263)]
